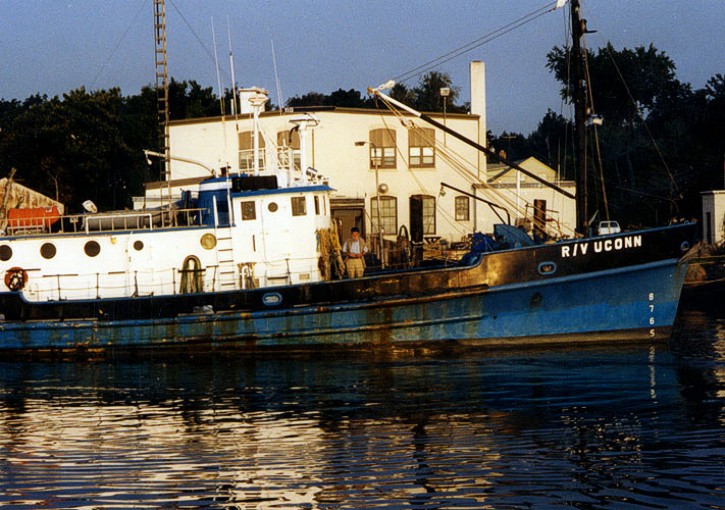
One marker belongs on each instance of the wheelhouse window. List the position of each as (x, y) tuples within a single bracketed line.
[(246, 151), (463, 208), (421, 148), (382, 148), (288, 145), (388, 214), (249, 211), (299, 206)]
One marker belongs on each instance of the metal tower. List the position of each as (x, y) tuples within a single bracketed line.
[(162, 85)]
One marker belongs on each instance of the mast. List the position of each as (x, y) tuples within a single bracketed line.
[(162, 85), (578, 28)]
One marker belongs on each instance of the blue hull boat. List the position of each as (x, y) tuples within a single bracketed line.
[(624, 286)]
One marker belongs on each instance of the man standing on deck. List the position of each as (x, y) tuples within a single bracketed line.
[(354, 250)]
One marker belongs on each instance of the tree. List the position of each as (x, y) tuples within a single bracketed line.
[(347, 98), (428, 93), (400, 92), (626, 84), (188, 99), (425, 96), (654, 139), (551, 143), (309, 99), (512, 146)]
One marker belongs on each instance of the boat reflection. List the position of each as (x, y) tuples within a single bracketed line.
[(475, 428)]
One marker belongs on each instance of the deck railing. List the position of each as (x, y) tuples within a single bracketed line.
[(112, 222)]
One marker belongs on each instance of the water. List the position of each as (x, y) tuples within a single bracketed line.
[(607, 427)]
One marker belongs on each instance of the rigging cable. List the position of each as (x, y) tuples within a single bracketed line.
[(118, 43), (477, 42), (460, 166), (421, 186), (644, 122), (193, 32)]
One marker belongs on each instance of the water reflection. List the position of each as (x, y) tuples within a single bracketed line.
[(640, 427)]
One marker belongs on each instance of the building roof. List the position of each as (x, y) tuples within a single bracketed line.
[(498, 173), (314, 109)]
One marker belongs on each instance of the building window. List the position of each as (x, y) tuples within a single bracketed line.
[(463, 209), (299, 206), (388, 214), (382, 148), (288, 144), (249, 211), (429, 216), (421, 148), (246, 151)]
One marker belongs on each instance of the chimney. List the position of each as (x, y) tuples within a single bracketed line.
[(478, 107)]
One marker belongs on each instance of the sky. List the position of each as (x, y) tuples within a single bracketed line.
[(54, 46)]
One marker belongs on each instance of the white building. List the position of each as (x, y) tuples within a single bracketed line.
[(545, 207), (713, 216), (367, 155)]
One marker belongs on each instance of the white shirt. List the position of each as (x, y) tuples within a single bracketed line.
[(353, 247)]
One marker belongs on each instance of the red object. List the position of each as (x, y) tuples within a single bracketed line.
[(33, 217)]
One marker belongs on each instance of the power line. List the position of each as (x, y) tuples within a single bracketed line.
[(142, 3), (461, 50)]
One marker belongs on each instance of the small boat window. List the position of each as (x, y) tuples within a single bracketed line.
[(92, 248), (249, 211), (138, 245), (317, 205), (299, 206), (6, 252), (47, 250), (273, 207)]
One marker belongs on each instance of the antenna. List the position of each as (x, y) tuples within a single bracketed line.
[(231, 66), (276, 79), (219, 86), (216, 63)]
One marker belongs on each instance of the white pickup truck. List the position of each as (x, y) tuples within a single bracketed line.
[(608, 227)]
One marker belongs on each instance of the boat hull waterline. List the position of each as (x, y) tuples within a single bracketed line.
[(549, 293)]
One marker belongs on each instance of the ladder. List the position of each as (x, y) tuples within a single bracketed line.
[(225, 259), (162, 85)]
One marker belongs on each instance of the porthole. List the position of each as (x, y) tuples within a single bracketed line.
[(47, 250), (272, 299), (547, 268), (273, 207), (138, 245), (6, 252), (92, 248), (208, 241)]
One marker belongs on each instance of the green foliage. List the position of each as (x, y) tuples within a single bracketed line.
[(189, 100), (85, 145), (424, 97), (661, 142)]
